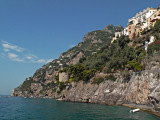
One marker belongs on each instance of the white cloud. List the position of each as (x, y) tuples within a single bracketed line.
[(31, 57), (9, 46), (16, 53), (14, 57), (28, 57), (41, 61)]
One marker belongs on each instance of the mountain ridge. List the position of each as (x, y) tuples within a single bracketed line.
[(48, 72)]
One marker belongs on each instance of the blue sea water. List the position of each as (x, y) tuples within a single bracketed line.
[(17, 108)]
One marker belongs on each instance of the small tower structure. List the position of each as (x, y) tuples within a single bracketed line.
[(63, 77)]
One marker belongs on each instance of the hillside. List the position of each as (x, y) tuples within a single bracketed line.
[(44, 78), (100, 72)]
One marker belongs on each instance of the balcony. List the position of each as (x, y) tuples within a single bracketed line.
[(155, 19)]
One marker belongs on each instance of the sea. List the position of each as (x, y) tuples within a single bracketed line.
[(18, 108)]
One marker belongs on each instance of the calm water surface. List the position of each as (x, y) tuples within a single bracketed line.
[(16, 108)]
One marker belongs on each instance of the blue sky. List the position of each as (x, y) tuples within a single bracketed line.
[(34, 32)]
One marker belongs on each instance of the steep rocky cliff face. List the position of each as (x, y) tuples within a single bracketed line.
[(139, 90), (142, 88)]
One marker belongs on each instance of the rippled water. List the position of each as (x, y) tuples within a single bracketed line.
[(16, 108)]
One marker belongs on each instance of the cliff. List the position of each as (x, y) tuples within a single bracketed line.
[(100, 72), (143, 88)]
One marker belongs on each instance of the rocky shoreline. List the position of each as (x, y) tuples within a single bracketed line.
[(146, 108), (141, 91)]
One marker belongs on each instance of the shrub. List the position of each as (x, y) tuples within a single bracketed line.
[(126, 76), (63, 70), (154, 47), (136, 66), (157, 26), (111, 77), (157, 36), (123, 40), (61, 86), (82, 59), (97, 80), (80, 72), (51, 84), (57, 79), (26, 85)]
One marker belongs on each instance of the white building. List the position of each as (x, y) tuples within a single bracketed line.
[(125, 31), (151, 40), (116, 35), (142, 17)]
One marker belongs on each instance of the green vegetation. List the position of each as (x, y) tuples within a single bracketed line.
[(136, 66), (155, 47), (51, 85), (114, 57), (57, 79), (97, 80), (65, 69), (102, 35), (111, 77), (26, 86), (126, 76), (157, 27), (80, 72), (61, 86)]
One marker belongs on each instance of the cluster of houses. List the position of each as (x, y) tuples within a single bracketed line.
[(144, 20)]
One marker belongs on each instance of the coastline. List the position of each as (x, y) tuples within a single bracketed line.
[(149, 109), (145, 108)]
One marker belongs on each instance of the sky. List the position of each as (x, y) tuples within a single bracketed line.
[(34, 32)]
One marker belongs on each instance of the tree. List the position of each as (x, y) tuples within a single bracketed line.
[(123, 40), (157, 26), (136, 66)]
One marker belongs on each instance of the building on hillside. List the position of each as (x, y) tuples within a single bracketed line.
[(63, 77), (125, 31), (119, 33), (153, 18), (116, 35), (139, 22), (148, 42)]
